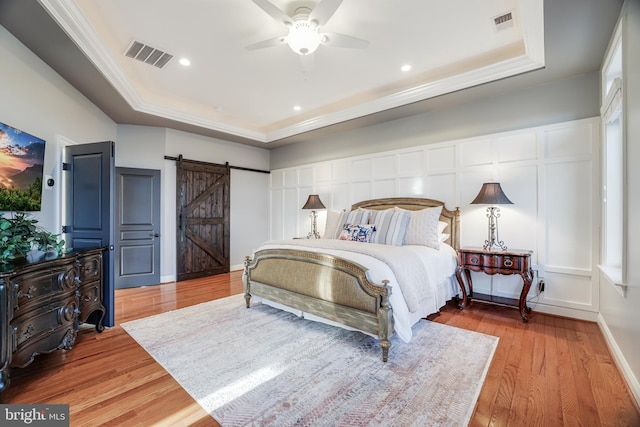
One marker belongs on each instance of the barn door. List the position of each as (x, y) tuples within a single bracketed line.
[(203, 219)]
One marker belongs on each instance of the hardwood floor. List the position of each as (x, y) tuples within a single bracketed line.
[(550, 372)]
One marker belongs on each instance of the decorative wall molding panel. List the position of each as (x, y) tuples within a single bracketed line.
[(551, 173)]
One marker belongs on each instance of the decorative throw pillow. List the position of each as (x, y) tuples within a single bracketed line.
[(358, 216), (357, 232), (391, 226), (423, 228)]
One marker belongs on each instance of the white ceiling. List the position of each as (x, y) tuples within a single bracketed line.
[(450, 45)]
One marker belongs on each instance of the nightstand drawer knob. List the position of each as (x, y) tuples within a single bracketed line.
[(508, 263), (474, 260)]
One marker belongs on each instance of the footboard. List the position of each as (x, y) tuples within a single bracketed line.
[(324, 285)]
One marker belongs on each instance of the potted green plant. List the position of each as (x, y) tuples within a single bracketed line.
[(21, 236)]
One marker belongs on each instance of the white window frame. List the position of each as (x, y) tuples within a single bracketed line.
[(614, 221)]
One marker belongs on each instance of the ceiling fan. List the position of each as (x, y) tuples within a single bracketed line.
[(304, 35)]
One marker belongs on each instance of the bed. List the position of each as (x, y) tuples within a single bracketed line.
[(378, 269)]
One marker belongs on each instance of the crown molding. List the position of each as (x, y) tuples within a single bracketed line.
[(67, 14)]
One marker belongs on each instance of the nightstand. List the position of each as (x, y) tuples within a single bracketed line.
[(495, 262)]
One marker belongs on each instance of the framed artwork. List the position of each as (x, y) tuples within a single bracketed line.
[(21, 170)]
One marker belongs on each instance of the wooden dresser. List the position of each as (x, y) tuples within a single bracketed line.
[(43, 303)]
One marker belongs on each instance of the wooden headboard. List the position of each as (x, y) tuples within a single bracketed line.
[(451, 217)]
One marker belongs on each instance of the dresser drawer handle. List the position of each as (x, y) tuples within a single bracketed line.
[(508, 263), (474, 260), (29, 331), (29, 294)]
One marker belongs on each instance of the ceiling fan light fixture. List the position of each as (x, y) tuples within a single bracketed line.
[(304, 34), (303, 38)]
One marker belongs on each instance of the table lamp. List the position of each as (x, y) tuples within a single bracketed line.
[(491, 194), (313, 203)]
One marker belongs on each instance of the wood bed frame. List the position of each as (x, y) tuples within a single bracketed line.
[(332, 287)]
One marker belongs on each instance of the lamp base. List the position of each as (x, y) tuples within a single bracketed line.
[(493, 213), (494, 246), (314, 227)]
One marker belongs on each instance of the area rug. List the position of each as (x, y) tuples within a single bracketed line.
[(262, 366)]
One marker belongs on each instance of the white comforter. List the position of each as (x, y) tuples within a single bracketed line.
[(425, 275)]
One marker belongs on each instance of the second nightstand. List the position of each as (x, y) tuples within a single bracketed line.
[(495, 262)]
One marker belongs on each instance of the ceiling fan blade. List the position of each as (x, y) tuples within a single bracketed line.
[(343, 40), (273, 11), (324, 11), (278, 41)]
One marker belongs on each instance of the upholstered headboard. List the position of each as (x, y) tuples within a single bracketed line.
[(451, 217)]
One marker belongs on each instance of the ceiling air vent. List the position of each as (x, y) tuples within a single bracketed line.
[(503, 21), (148, 54)]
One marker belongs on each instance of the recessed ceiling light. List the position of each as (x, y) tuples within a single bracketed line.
[(297, 108), (406, 67), (185, 62)]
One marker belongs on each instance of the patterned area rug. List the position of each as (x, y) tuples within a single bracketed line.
[(263, 366)]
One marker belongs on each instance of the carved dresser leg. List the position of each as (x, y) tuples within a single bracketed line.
[(4, 380)]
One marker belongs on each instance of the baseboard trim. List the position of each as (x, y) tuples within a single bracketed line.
[(573, 313), (172, 278), (167, 279), (620, 360)]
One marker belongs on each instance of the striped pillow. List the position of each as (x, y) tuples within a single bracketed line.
[(358, 216), (391, 226)]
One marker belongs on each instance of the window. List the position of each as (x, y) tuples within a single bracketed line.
[(613, 218)]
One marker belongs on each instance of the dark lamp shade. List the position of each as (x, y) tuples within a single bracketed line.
[(491, 194), (313, 202)]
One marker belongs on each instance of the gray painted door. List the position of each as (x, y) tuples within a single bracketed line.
[(137, 207), (88, 196)]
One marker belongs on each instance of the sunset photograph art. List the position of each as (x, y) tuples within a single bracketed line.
[(21, 167)]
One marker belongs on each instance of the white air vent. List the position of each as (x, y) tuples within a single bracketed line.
[(503, 21), (148, 54)]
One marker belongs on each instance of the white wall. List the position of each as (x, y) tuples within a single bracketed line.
[(549, 172), (481, 110), (620, 313), (249, 196), (140, 147), (146, 147), (37, 100)]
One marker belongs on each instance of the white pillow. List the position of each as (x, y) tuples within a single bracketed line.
[(443, 237), (441, 226), (391, 226), (423, 227), (331, 226)]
